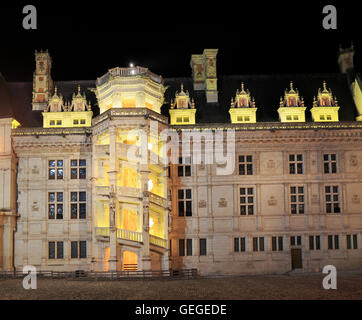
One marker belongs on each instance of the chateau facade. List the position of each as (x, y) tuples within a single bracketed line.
[(256, 183)]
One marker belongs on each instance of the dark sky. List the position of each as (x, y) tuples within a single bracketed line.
[(85, 39)]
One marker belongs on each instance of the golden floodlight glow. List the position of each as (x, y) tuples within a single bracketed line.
[(151, 222), (150, 185)]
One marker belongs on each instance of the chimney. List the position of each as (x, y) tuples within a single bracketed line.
[(345, 59), (204, 73)]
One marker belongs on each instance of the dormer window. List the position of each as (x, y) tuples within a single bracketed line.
[(182, 109), (242, 109)]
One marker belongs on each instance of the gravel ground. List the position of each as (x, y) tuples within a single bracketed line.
[(296, 286)]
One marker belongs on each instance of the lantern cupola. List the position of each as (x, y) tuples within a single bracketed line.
[(67, 114), (182, 110), (291, 107), (242, 109), (325, 107)]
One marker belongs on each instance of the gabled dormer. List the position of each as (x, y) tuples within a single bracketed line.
[(325, 107), (182, 109), (242, 109), (65, 114), (291, 107)]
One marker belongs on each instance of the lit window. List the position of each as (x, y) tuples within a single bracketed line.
[(186, 119), (295, 117), (321, 118), (289, 118), (178, 119), (247, 118), (329, 117)]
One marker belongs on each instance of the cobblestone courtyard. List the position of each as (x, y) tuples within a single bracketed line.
[(296, 286)]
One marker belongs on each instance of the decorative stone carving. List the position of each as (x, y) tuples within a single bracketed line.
[(202, 204), (35, 206), (353, 160), (222, 203), (272, 201), (35, 170), (355, 199)]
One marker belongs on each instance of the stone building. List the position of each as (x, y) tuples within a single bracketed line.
[(86, 184)]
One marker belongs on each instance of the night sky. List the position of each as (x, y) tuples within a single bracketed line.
[(85, 39)]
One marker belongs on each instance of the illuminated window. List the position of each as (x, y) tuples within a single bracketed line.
[(240, 244), (314, 242), (333, 242), (78, 249), (184, 202), (289, 118), (55, 169), (55, 205), (246, 201), (56, 250), (332, 199), (52, 122), (352, 242), (258, 244), (295, 117), (184, 167), (178, 119), (75, 122), (78, 169), (186, 119), (295, 241), (330, 163), (239, 118), (329, 117), (296, 164), (247, 118), (246, 165), (59, 122), (321, 117), (277, 243), (296, 199), (78, 205)]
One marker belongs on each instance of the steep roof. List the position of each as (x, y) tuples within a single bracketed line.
[(266, 89)]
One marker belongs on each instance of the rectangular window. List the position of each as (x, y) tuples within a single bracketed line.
[(74, 249), (184, 167), (246, 201), (55, 169), (297, 200), (277, 243), (332, 199), (246, 165), (330, 163), (78, 169), (296, 164), (258, 244), (51, 250), (189, 247), (60, 250), (82, 249), (240, 244), (333, 242), (55, 205), (181, 247), (314, 243), (352, 241), (184, 202), (78, 205), (295, 241), (203, 248)]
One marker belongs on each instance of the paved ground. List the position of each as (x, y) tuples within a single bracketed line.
[(297, 286)]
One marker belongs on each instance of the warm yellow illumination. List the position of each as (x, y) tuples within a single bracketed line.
[(242, 109), (151, 223), (14, 124), (182, 110), (67, 119), (325, 107), (357, 96)]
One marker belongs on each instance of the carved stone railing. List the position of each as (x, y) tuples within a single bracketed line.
[(129, 235), (128, 192), (102, 232), (154, 198), (157, 241)]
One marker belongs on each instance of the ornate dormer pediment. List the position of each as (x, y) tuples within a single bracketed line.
[(242, 109), (64, 114), (182, 109), (325, 106), (56, 102), (291, 107)]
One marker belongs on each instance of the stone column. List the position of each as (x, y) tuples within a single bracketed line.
[(112, 199), (146, 257)]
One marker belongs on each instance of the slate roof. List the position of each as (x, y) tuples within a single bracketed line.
[(266, 89)]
